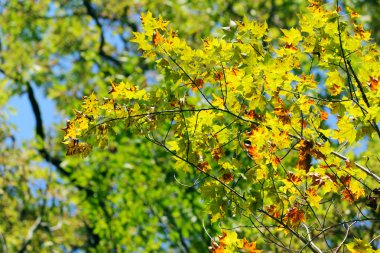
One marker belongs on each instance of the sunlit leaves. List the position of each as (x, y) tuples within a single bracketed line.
[(74, 147), (358, 246), (253, 115), (229, 242)]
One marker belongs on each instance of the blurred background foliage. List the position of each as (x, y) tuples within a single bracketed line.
[(127, 198)]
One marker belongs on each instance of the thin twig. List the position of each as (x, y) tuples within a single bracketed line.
[(367, 171), (309, 237), (345, 237)]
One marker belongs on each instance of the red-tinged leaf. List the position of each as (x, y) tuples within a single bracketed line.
[(251, 114), (203, 166), (317, 180), (249, 247), (293, 178), (290, 46), (304, 162), (76, 148), (227, 177), (234, 71), (345, 180), (347, 195), (252, 151), (324, 115), (373, 83), (352, 13), (283, 114), (198, 84), (217, 153), (157, 38), (273, 210), (295, 216), (218, 75), (275, 161)]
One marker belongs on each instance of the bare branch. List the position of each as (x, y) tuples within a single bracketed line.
[(309, 237), (345, 237)]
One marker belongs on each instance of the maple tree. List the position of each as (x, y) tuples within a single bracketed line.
[(261, 118), (249, 111)]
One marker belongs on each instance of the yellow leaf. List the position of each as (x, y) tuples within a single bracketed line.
[(292, 36), (347, 131), (334, 82)]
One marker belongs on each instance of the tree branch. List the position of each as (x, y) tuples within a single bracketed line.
[(92, 12), (31, 231), (367, 171)]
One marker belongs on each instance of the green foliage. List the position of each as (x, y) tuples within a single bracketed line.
[(256, 123), (217, 122)]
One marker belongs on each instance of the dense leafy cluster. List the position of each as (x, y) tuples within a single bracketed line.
[(250, 111), (190, 136)]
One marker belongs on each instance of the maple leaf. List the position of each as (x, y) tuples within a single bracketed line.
[(304, 162), (324, 115), (364, 35), (295, 216), (360, 246), (283, 114), (218, 76), (157, 38), (141, 41), (203, 166), (249, 247), (273, 210), (76, 148), (227, 177), (292, 37), (352, 13), (217, 153), (373, 83), (345, 180), (347, 131), (290, 46), (252, 151), (150, 23), (313, 198), (90, 106), (317, 180), (198, 84), (334, 82), (293, 178), (70, 131)]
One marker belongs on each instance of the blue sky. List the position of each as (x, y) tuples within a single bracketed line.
[(24, 118)]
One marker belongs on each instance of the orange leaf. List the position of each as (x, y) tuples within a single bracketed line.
[(272, 210), (203, 166), (290, 46), (250, 247), (293, 178), (217, 153), (295, 216), (324, 115), (198, 84), (373, 83), (157, 38), (218, 76), (345, 180), (347, 195), (283, 114)]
